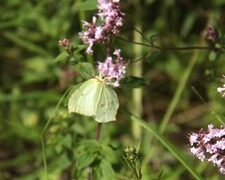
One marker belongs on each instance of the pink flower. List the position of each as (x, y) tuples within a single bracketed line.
[(193, 138), (88, 36), (112, 72), (210, 145), (222, 89), (109, 12), (111, 20), (198, 152)]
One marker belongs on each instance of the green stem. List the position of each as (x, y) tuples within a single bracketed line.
[(98, 134), (137, 94), (83, 17), (133, 168), (167, 145), (135, 173), (44, 131), (185, 48), (221, 121), (179, 90)]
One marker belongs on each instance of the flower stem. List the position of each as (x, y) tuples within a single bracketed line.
[(180, 89), (137, 94), (44, 132), (184, 48), (98, 133)]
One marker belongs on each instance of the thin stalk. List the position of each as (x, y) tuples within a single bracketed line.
[(174, 101), (135, 172), (133, 168), (137, 94), (98, 132), (221, 121), (90, 174), (153, 46), (181, 86), (167, 144), (45, 130), (82, 18), (98, 136)]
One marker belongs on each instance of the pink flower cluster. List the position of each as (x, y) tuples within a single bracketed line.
[(111, 21), (210, 146), (112, 72), (222, 89)]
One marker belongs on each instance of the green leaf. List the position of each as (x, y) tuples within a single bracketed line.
[(58, 148), (64, 161), (106, 170), (152, 56), (108, 153), (159, 177), (87, 5), (91, 146), (79, 47), (86, 70), (76, 50), (221, 41), (188, 24), (153, 38), (26, 43), (85, 159), (62, 57), (67, 141), (134, 82), (91, 142), (54, 128), (213, 55)]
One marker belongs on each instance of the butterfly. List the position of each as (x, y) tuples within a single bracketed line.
[(95, 98)]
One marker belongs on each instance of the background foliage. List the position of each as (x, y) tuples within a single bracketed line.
[(33, 82)]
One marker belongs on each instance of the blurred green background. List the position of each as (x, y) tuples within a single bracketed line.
[(32, 83)]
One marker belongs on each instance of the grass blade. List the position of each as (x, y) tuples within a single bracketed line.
[(168, 145)]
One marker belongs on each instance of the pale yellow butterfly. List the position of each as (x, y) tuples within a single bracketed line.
[(95, 98)]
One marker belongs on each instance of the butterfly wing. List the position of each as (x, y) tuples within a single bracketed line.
[(84, 99), (107, 105)]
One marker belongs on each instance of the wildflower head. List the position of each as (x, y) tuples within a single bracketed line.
[(65, 43), (222, 89), (212, 34), (88, 36), (111, 19), (110, 14), (132, 158), (112, 72), (210, 146), (130, 153)]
